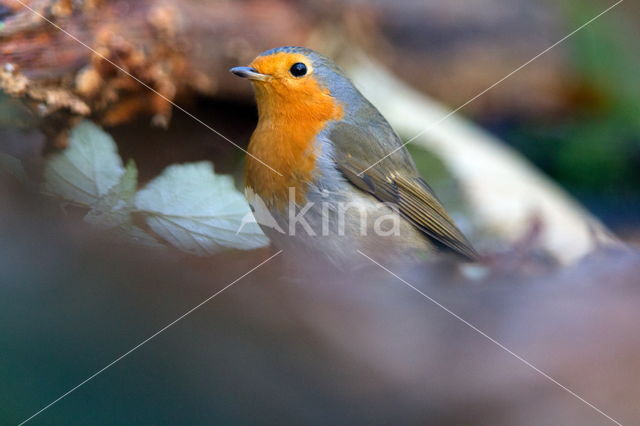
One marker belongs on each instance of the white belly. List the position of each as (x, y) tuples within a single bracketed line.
[(338, 225)]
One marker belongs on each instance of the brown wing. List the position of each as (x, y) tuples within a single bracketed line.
[(395, 180)]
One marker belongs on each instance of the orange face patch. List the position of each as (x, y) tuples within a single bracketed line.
[(279, 64), (292, 111)]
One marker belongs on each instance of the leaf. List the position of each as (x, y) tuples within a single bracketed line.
[(13, 166), (188, 205), (87, 169), (113, 212), (90, 172), (114, 209), (198, 211), (140, 237), (132, 234)]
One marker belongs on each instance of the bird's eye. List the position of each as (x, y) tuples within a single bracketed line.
[(298, 69)]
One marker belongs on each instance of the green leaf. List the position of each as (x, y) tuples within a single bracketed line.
[(87, 169), (198, 211)]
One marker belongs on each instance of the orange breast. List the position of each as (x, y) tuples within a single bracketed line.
[(290, 118)]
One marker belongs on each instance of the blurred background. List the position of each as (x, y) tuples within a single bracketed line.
[(572, 112), (307, 346)]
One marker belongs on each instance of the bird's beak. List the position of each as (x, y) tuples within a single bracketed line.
[(250, 73)]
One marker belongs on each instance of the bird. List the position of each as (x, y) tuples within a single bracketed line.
[(313, 167)]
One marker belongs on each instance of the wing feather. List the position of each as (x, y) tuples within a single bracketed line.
[(396, 181)]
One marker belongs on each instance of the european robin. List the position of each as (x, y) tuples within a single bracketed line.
[(318, 134)]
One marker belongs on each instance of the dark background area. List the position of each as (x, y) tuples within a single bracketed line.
[(573, 113)]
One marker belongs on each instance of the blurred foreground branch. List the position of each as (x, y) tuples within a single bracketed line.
[(317, 346)]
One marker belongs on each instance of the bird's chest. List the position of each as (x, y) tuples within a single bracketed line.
[(282, 161), (283, 150)]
